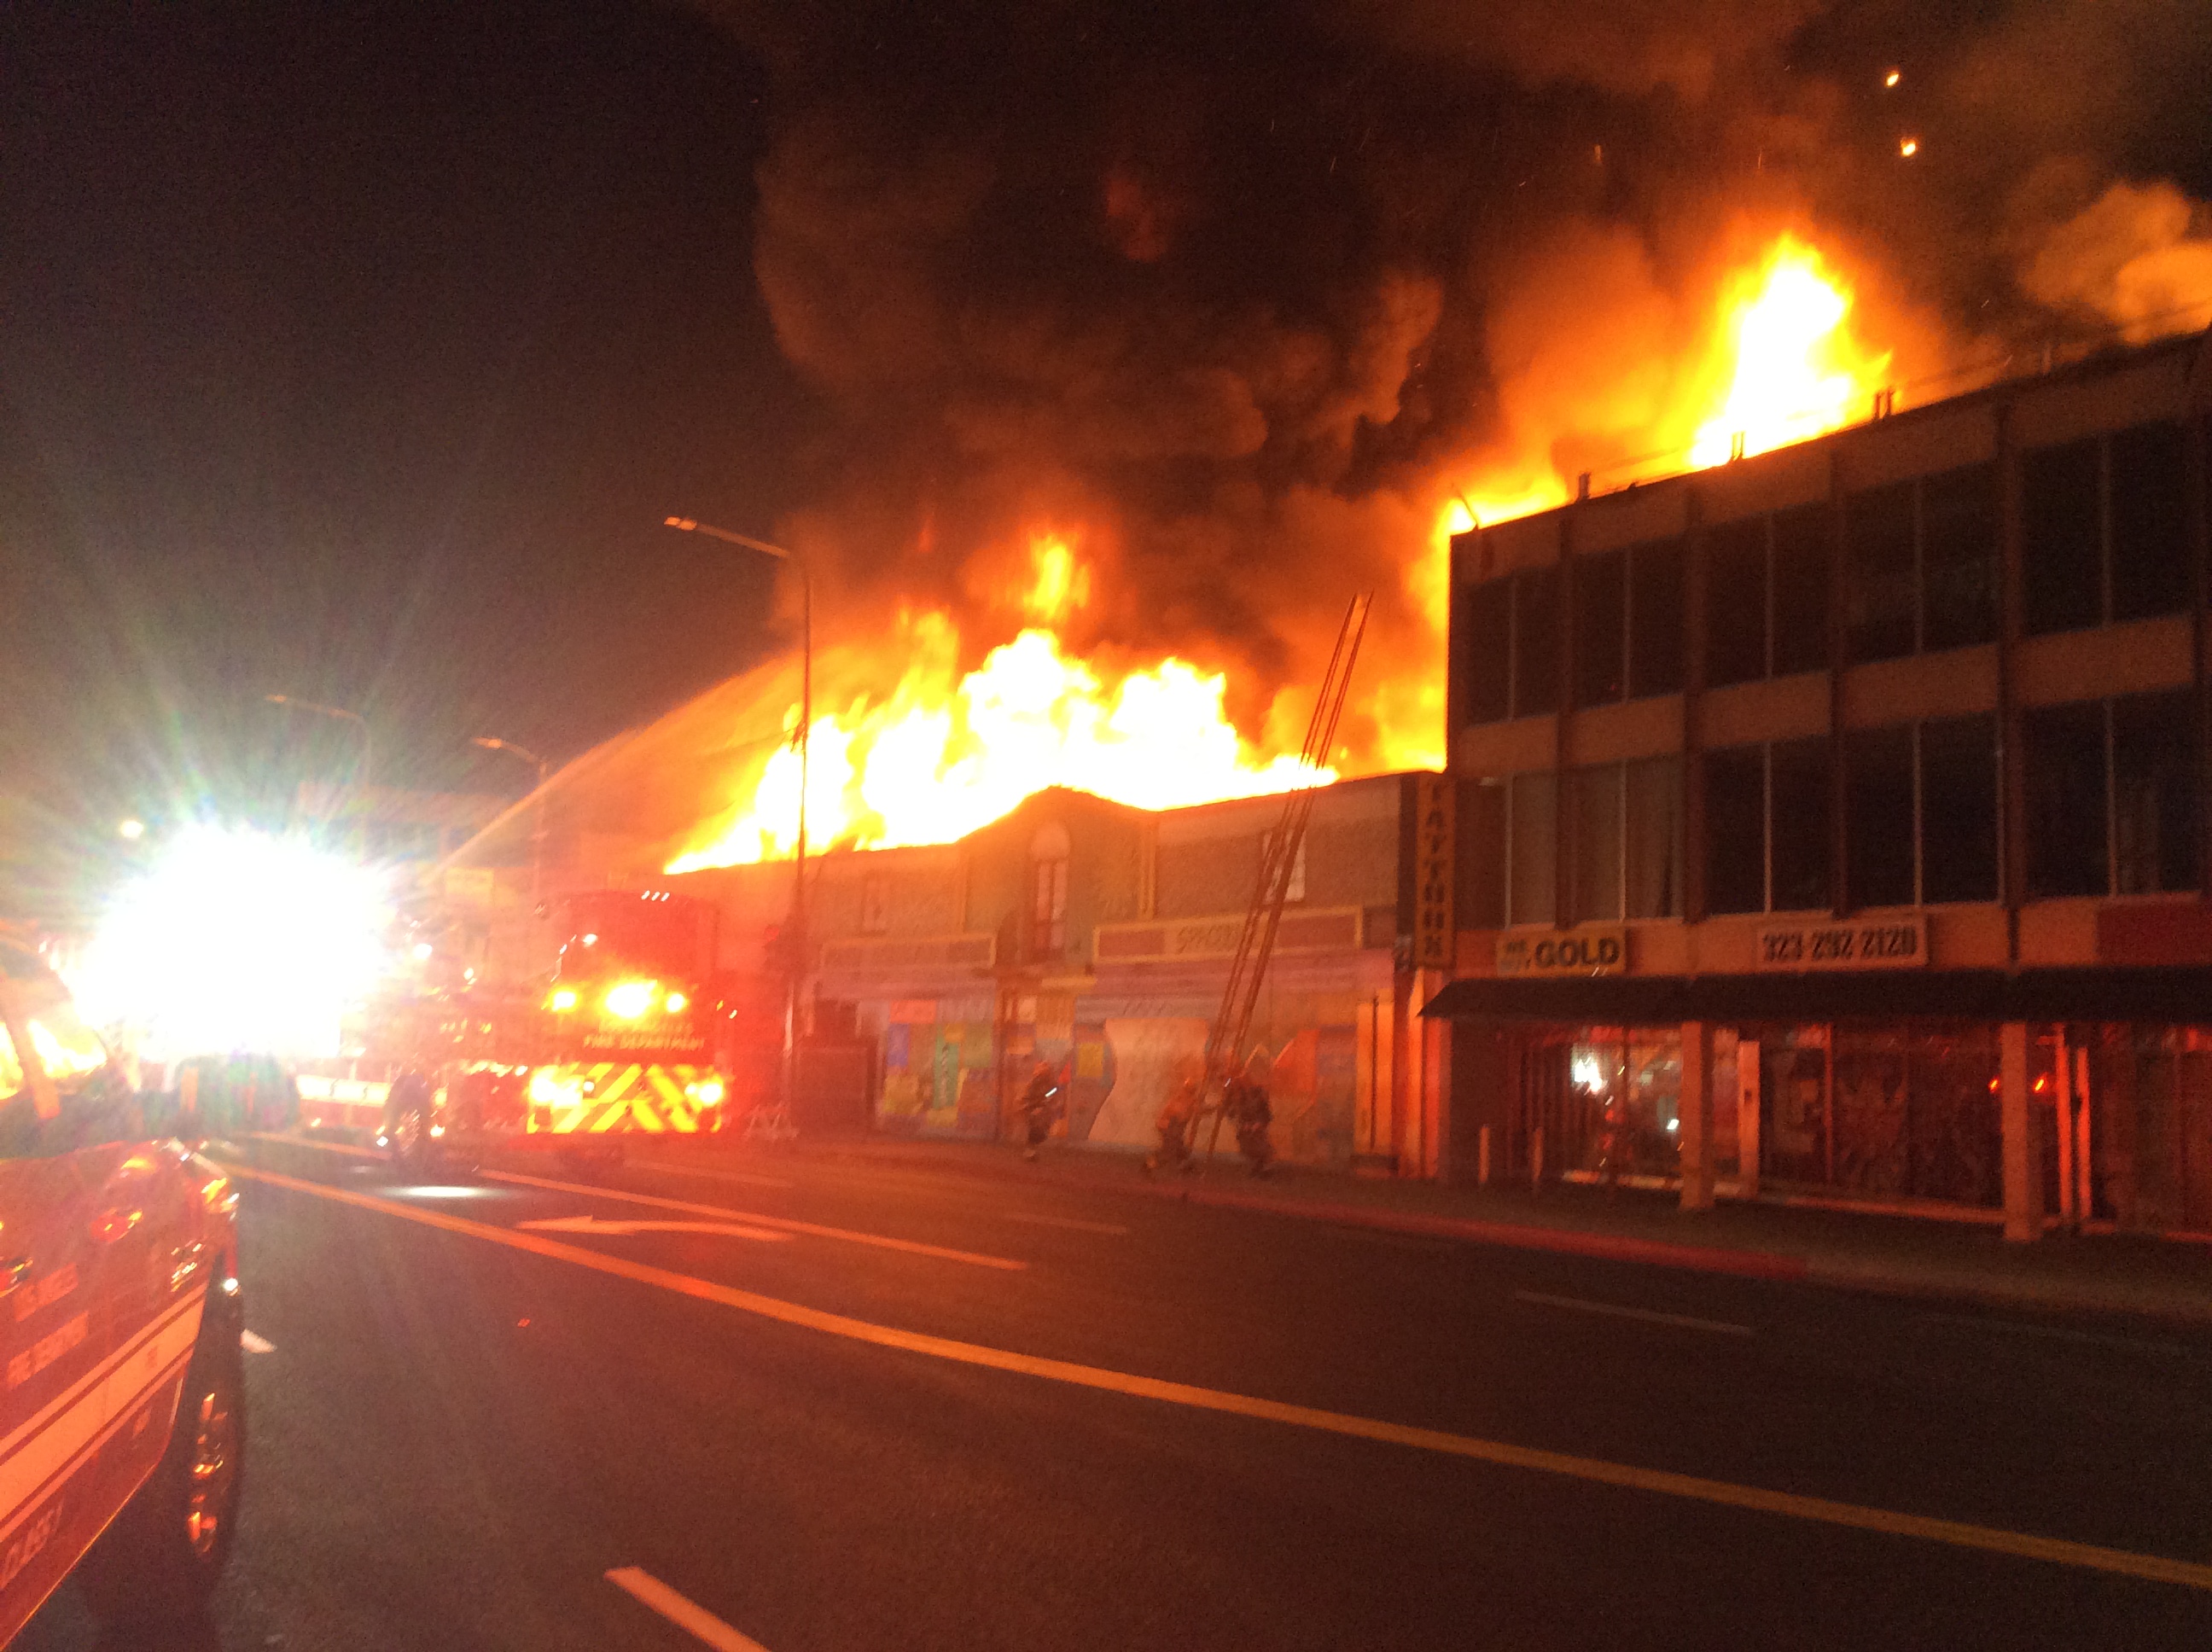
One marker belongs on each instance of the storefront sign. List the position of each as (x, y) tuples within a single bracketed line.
[(1331, 929), (1855, 944), (932, 952), (1433, 835), (1591, 950)]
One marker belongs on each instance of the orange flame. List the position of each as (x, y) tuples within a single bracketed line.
[(945, 752)]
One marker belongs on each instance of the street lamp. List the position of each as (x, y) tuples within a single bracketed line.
[(361, 770), (493, 743), (687, 524)]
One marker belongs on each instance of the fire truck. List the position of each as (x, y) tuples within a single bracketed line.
[(621, 1041), (629, 1022)]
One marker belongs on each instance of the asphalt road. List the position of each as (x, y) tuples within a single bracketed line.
[(829, 1406)]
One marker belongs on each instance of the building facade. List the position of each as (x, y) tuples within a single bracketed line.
[(1832, 824), (1097, 939)]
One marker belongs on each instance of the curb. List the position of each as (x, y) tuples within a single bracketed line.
[(1771, 1266)]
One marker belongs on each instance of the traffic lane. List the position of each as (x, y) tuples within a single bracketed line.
[(816, 1493), (1612, 1398), (2081, 1442)]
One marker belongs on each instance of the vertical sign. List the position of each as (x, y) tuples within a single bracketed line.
[(1433, 835)]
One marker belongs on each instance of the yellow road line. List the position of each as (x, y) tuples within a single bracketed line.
[(2158, 1569), (882, 1241), (680, 1610)]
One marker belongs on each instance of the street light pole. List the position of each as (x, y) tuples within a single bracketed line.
[(361, 769), (782, 554), (493, 743)]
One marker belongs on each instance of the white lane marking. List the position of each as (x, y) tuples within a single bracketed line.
[(597, 1224), (345, 1147), (1076, 1223), (255, 1344), (2061, 1333), (644, 1588), (2027, 1546), (705, 1173), (1644, 1314), (880, 1241)]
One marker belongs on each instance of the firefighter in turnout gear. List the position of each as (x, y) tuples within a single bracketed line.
[(1178, 1114), (1246, 1105), (1039, 1104)]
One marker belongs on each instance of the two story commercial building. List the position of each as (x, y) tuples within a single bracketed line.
[(1832, 824)]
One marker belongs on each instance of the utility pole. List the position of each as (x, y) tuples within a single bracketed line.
[(798, 938)]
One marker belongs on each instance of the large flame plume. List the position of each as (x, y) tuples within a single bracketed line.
[(943, 751)]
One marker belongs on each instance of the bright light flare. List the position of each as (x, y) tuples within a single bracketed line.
[(628, 999), (237, 940), (1908, 147)]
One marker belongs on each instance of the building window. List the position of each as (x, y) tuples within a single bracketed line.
[(1766, 827), (1920, 813), (1481, 856), (1048, 892), (1601, 617), (2105, 529), (1486, 642), (1627, 820), (1294, 887), (1536, 641), (1958, 809), (875, 904), (2113, 796), (1766, 596), (1920, 564), (1654, 618), (1532, 848)]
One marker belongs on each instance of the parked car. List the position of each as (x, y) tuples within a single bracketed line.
[(122, 1405)]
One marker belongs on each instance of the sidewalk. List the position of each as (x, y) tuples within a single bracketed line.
[(2165, 1281)]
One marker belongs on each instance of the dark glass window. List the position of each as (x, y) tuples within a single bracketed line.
[(1878, 817), (2062, 576), (1600, 604), (1654, 618), (1654, 838), (1797, 832), (1736, 601), (1532, 891), (2151, 572), (2155, 793), (1736, 830), (1879, 573), (1486, 651), (1958, 810), (1480, 822), (1536, 641), (2062, 749), (1596, 882), (1959, 557), (1801, 589)]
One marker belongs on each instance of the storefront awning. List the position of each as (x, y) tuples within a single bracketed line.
[(2162, 994)]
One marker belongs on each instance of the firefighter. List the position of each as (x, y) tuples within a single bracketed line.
[(1038, 1104), (406, 1113), (1177, 1114), (1246, 1104)]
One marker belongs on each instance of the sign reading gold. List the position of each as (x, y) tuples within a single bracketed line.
[(1590, 950)]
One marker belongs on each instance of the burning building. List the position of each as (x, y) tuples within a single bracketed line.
[(1832, 824)]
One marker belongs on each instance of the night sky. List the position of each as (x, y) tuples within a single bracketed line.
[(355, 353)]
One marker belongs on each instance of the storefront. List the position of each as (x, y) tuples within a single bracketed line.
[(1898, 1106)]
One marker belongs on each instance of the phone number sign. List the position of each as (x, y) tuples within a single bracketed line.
[(1856, 944)]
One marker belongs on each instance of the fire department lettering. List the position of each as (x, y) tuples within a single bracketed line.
[(45, 1350)]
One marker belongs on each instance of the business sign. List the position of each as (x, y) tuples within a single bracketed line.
[(1327, 929), (890, 955), (1594, 950), (1853, 944), (1433, 833)]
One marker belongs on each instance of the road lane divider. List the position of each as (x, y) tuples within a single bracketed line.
[(684, 1612), (708, 1173), (255, 1344), (1826, 1511), (850, 1236), (1648, 1316), (600, 1224)]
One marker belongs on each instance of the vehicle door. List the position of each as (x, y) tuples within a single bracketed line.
[(147, 1229), (53, 1337)]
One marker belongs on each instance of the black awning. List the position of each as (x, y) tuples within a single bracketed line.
[(2162, 994)]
